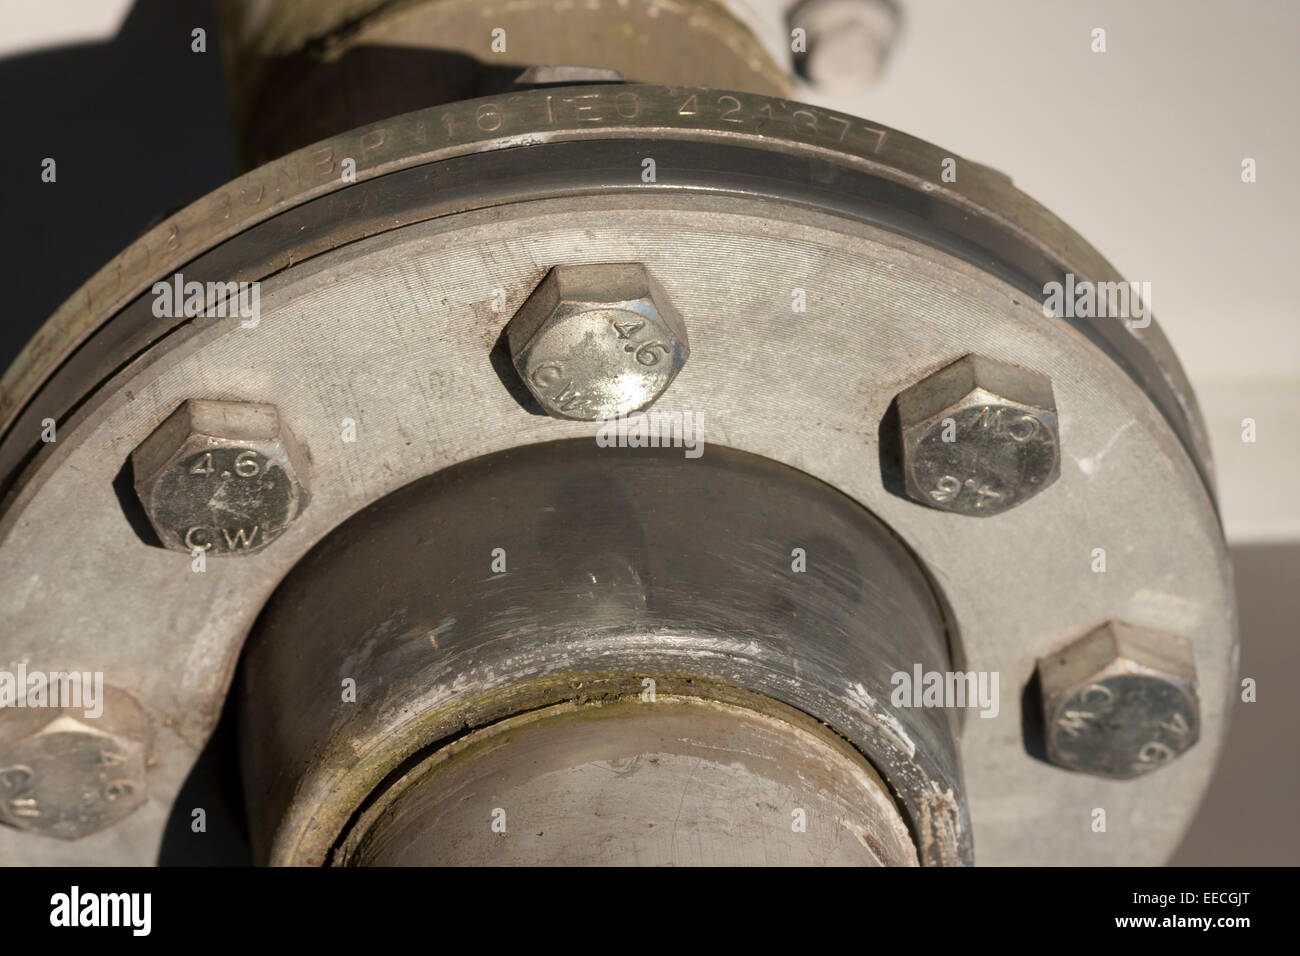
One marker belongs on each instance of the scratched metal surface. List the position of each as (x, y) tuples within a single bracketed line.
[(619, 562), (396, 332), (639, 783), (1010, 223)]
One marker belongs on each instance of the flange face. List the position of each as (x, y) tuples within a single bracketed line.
[(805, 154), (395, 334)]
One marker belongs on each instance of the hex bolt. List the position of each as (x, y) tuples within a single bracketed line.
[(221, 477), (66, 774), (595, 341), (848, 41), (978, 437), (1120, 701)]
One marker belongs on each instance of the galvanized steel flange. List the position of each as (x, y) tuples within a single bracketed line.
[(382, 344)]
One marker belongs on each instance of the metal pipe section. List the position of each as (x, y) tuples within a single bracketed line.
[(300, 72), (727, 623), (677, 781)]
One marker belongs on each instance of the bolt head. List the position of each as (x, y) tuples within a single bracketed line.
[(1120, 701), (220, 477), (595, 341), (66, 775), (978, 437)]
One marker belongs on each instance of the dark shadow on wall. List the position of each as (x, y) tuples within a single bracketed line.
[(137, 126), (1248, 816)]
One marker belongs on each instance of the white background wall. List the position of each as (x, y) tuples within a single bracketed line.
[(1140, 149)]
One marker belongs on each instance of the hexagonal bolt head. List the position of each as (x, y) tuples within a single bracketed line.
[(221, 477), (978, 437), (1120, 701), (595, 341), (66, 775)]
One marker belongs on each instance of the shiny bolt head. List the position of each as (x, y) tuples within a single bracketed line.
[(220, 477), (978, 437), (1120, 701), (67, 775), (596, 341)]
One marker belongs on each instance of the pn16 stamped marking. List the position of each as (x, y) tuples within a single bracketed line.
[(681, 109), (448, 131)]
